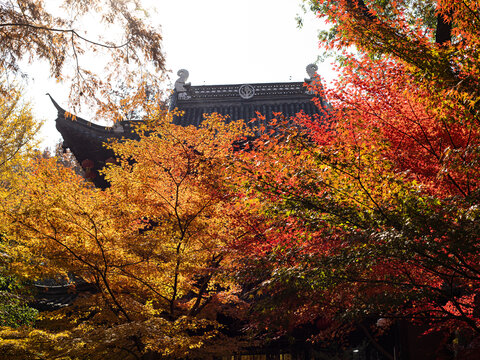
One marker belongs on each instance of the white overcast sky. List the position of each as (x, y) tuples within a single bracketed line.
[(218, 42)]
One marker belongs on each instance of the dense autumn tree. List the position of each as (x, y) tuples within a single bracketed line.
[(153, 244), (16, 146), (59, 34), (372, 212)]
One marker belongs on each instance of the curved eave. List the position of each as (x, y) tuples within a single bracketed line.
[(87, 140), (87, 127)]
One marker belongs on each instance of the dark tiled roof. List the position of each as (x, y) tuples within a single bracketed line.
[(87, 140), (242, 101), (54, 294)]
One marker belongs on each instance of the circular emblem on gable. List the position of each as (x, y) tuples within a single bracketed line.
[(246, 91)]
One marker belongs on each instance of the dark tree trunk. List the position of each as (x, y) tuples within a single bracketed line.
[(443, 34)]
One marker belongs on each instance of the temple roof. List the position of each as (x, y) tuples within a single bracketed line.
[(53, 294), (87, 140)]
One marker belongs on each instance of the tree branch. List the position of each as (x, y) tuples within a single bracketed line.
[(71, 31)]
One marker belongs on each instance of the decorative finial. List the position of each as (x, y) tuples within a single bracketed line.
[(311, 71), (181, 81)]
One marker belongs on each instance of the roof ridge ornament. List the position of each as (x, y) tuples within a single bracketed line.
[(181, 83), (311, 71), (182, 80)]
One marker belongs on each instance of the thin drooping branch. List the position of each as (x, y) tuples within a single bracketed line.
[(71, 31)]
